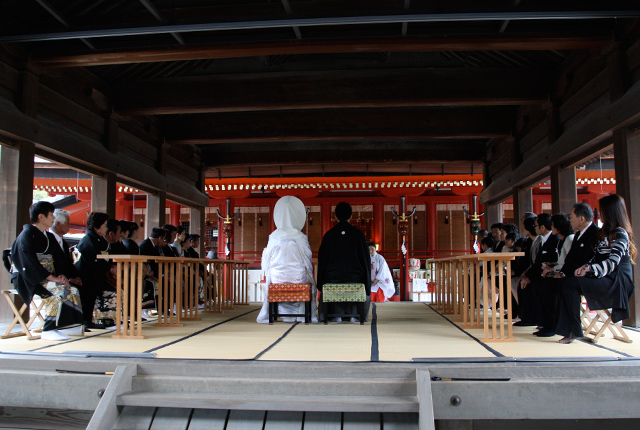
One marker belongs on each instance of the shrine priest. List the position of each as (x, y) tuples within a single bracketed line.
[(344, 259), (382, 287)]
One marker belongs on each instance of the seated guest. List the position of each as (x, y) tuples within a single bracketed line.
[(344, 258), (167, 250), (113, 236), (382, 287), (544, 289), (131, 241), (487, 244), (287, 258), (495, 234), (191, 250), (181, 237), (607, 280), (510, 242), (481, 235), (34, 274), (506, 230), (527, 301), (93, 271), (152, 246), (62, 258)]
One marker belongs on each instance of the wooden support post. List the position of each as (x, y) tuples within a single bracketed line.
[(493, 214), (16, 195), (522, 202), (563, 189), (155, 212), (103, 194)]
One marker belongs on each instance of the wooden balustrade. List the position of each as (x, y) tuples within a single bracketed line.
[(457, 283), (224, 281)]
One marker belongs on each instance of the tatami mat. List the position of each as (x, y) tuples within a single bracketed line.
[(399, 332)]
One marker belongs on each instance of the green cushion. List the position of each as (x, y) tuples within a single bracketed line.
[(344, 293)]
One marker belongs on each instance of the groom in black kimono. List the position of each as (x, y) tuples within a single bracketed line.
[(344, 258)]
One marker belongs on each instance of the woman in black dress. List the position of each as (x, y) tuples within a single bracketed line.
[(607, 281), (93, 271)]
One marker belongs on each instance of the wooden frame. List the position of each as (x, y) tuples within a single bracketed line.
[(17, 317)]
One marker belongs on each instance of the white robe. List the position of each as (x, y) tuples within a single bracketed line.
[(287, 258), (287, 263), (380, 271)]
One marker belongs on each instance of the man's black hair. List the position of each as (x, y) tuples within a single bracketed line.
[(158, 232), (42, 207), (343, 211), (545, 220)]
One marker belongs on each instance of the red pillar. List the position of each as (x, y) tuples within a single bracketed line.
[(175, 213), (537, 206), (222, 207), (325, 217), (127, 208), (378, 224), (432, 226)]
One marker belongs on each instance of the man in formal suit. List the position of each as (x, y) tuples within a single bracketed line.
[(152, 246), (63, 260), (581, 251), (172, 231), (194, 243), (113, 237), (528, 301)]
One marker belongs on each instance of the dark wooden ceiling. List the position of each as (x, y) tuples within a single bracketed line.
[(266, 87)]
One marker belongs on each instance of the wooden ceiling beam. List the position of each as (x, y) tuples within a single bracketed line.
[(332, 89), (340, 124), (220, 156), (326, 46)]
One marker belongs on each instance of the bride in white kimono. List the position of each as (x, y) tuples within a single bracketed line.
[(287, 258)]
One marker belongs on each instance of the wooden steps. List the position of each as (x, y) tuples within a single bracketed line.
[(269, 402)]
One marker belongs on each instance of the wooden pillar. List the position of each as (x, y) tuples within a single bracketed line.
[(493, 214), (432, 226), (325, 217), (522, 202), (103, 194), (563, 189), (196, 226), (378, 224), (16, 195), (155, 212), (626, 150)]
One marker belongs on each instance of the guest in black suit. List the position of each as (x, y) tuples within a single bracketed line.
[(194, 243), (113, 236), (62, 258), (130, 237), (606, 280), (498, 243), (152, 246), (527, 301), (172, 231)]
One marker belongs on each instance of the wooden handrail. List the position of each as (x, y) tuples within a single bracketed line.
[(456, 281), (225, 285)]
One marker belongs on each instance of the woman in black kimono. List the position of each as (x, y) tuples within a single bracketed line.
[(93, 271), (607, 281), (33, 274)]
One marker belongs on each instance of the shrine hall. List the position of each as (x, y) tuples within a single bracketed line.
[(431, 119)]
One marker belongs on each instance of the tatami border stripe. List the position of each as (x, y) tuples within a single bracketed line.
[(80, 338), (487, 347), (607, 348), (199, 332), (375, 352), (276, 342)]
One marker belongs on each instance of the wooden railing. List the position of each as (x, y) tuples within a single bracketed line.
[(457, 286), (224, 282)]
